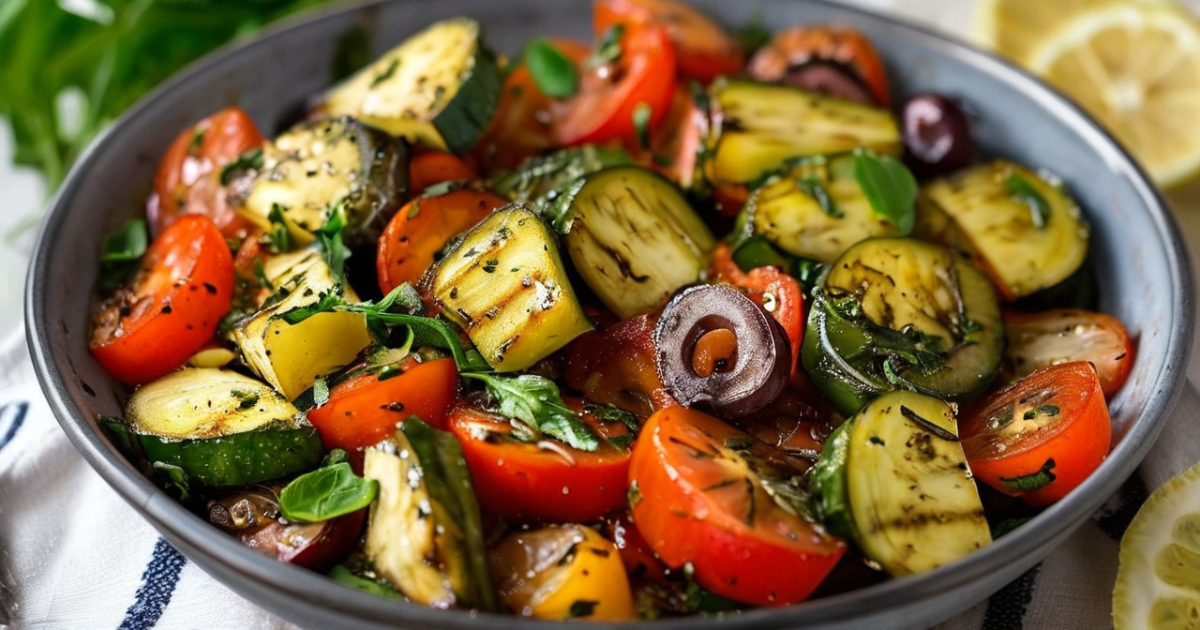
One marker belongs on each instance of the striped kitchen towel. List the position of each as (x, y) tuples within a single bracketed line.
[(74, 555)]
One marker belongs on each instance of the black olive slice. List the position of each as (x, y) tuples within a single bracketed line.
[(828, 77), (718, 349)]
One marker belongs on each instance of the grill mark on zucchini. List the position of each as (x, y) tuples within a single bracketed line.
[(927, 425)]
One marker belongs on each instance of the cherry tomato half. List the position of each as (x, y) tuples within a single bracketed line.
[(171, 308), (365, 409), (189, 176), (1036, 340), (610, 95), (436, 167), (803, 44), (547, 480), (1040, 437), (705, 50), (698, 495)]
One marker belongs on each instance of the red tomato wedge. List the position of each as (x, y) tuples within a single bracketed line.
[(705, 50), (611, 95), (697, 495), (778, 293), (675, 141), (365, 409), (171, 309), (802, 44), (436, 167), (544, 481), (189, 176), (1040, 437), (1037, 340), (422, 227)]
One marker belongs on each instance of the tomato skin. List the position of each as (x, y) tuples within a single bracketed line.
[(705, 50), (682, 508), (436, 167), (1077, 437), (1062, 335), (189, 176), (803, 43), (619, 366), (523, 482), (422, 227), (172, 307), (786, 299), (364, 410), (608, 96)]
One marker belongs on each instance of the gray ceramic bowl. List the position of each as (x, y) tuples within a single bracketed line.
[(1139, 257)]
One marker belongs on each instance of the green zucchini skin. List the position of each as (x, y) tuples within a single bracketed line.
[(241, 458), (896, 480), (541, 179), (633, 238), (850, 345)]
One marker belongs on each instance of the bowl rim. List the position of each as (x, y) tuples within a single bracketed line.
[(1053, 525)]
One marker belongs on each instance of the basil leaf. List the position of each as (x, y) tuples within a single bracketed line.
[(889, 186), (536, 401), (553, 73), (329, 237), (1024, 192), (122, 254), (609, 49), (1033, 481), (342, 575), (813, 187), (176, 478), (250, 160), (326, 493)]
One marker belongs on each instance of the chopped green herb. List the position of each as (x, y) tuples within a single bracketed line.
[(552, 72), (176, 478), (343, 575), (813, 187), (582, 608), (609, 49), (326, 493), (1033, 481), (634, 494), (1008, 525), (1022, 191), (248, 399), (329, 237), (122, 253), (387, 73), (1044, 410), (334, 457), (414, 210), (536, 401), (250, 160), (641, 124), (279, 239), (889, 187), (613, 413)]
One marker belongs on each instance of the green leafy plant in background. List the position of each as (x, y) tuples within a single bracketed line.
[(69, 67)]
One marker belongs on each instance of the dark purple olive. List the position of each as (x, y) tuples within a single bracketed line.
[(937, 135), (828, 77), (718, 349), (253, 516)]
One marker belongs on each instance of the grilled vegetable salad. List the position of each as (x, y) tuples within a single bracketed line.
[(649, 326)]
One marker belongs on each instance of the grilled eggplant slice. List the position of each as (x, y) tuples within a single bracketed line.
[(505, 284), (318, 165), (816, 210), (438, 88), (222, 428), (1022, 229), (756, 127), (895, 479), (291, 357), (898, 313), (424, 534), (633, 238)]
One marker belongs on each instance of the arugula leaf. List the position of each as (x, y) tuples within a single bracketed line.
[(613, 413), (1033, 481), (553, 73), (535, 400), (1024, 192), (889, 186), (813, 187), (326, 493)]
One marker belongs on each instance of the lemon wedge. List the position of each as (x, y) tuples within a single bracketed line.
[(1015, 28), (1158, 582)]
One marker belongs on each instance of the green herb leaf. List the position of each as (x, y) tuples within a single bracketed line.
[(278, 240), (641, 124), (1022, 191), (250, 160), (535, 400), (889, 186), (333, 247), (582, 608), (122, 254), (1008, 525), (334, 457), (552, 72), (813, 187), (387, 73), (320, 392), (1033, 481), (326, 493), (343, 575), (1043, 410), (613, 413), (176, 478), (609, 49)]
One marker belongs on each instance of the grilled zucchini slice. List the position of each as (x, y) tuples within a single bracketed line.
[(222, 428), (541, 179), (1021, 228), (757, 127), (633, 238), (291, 357), (438, 88), (894, 478), (505, 284), (897, 313), (424, 534), (318, 165), (816, 210)]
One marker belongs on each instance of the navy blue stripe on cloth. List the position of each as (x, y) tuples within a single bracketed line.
[(14, 416), (1006, 609), (158, 584)]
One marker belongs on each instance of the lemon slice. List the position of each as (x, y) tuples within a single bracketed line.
[(1015, 28), (1158, 582)]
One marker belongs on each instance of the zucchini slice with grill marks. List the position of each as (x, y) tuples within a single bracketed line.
[(897, 313), (756, 127), (1021, 228), (222, 428), (541, 179), (505, 284), (895, 479), (424, 534), (439, 88), (816, 210), (317, 165), (633, 238)]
